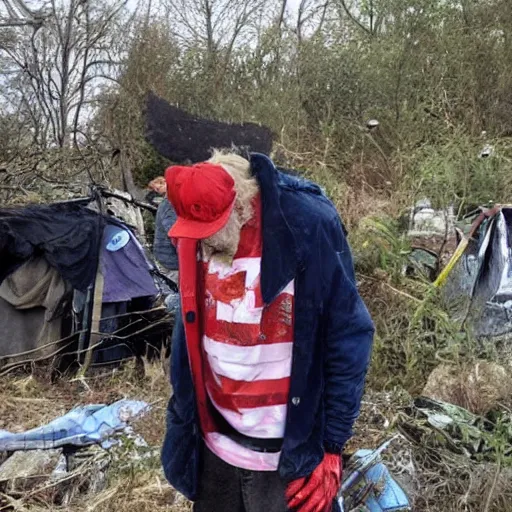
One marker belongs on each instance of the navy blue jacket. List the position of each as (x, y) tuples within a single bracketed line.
[(303, 239)]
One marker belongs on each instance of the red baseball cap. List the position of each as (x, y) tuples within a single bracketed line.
[(203, 196)]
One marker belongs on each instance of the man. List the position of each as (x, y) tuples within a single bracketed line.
[(270, 356), (163, 249)]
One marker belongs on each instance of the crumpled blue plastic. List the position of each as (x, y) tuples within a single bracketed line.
[(82, 426), (390, 496)]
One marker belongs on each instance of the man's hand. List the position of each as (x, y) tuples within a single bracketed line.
[(316, 492)]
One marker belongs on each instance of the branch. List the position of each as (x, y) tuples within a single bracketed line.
[(106, 62), (136, 202), (300, 19), (323, 16), (18, 23), (10, 10), (282, 12), (22, 7), (353, 18), (105, 77)]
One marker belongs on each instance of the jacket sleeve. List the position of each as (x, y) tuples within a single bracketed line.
[(348, 341), (168, 216)]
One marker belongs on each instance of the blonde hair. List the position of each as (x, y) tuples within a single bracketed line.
[(225, 242), (246, 186)]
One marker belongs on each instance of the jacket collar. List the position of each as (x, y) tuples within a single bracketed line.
[(280, 259)]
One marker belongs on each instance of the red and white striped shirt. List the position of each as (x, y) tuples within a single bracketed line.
[(248, 351)]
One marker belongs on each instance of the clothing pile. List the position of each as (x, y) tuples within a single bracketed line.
[(59, 261)]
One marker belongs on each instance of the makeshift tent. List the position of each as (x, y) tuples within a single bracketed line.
[(478, 280), (74, 279), (181, 136)]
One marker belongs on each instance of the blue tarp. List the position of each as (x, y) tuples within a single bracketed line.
[(367, 484), (386, 495), (85, 425)]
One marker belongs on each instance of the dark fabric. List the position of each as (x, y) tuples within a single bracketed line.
[(113, 349), (228, 489), (182, 442), (126, 273), (303, 239), (180, 136), (163, 250), (67, 235), (110, 320)]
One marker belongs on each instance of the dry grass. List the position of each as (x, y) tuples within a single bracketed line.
[(436, 480), (479, 387), (132, 485)]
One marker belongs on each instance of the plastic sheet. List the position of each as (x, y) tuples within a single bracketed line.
[(85, 425), (368, 485), (479, 290), (385, 495)]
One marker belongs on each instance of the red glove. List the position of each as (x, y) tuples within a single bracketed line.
[(316, 492)]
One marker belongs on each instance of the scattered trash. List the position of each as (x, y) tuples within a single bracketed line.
[(425, 221), (368, 485), (82, 426), (487, 151), (422, 262), (172, 302), (24, 470), (441, 426), (478, 388), (73, 454)]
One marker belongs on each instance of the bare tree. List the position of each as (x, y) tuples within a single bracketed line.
[(56, 72), (282, 12), (16, 13), (365, 15), (311, 15), (217, 25)]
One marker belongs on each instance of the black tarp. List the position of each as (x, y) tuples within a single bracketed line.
[(67, 235), (181, 136)]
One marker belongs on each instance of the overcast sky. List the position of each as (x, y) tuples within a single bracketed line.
[(293, 5)]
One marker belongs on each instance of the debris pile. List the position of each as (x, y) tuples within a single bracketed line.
[(480, 387), (70, 455), (368, 485), (461, 460)]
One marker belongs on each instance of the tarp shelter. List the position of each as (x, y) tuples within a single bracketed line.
[(74, 277), (479, 288), (180, 136)]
